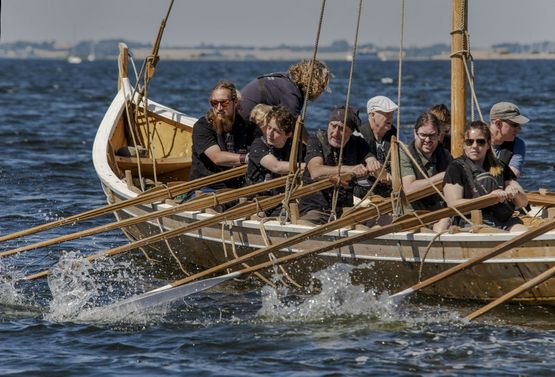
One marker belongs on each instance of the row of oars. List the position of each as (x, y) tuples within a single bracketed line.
[(192, 284)]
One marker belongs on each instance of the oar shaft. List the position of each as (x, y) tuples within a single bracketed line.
[(194, 204), (156, 194), (505, 246), (232, 214), (356, 217), (515, 292)]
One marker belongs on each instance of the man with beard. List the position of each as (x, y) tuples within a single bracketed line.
[(221, 138)]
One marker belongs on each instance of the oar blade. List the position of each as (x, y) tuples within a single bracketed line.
[(165, 295)]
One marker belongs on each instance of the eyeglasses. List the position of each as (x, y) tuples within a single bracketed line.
[(427, 136), (479, 142), (224, 103)]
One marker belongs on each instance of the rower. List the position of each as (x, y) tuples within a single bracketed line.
[(505, 124), (322, 159), (221, 138), (430, 162)]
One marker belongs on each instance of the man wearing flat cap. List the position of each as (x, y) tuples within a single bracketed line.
[(378, 133), (505, 124), (322, 159)]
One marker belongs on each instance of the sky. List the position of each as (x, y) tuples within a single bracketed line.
[(272, 22)]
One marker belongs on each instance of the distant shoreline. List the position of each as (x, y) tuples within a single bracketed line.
[(278, 54)]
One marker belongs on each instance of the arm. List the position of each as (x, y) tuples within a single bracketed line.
[(453, 194), (271, 163), (224, 158), (318, 170), (516, 194), (410, 183)]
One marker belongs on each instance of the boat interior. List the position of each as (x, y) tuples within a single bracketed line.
[(153, 147)]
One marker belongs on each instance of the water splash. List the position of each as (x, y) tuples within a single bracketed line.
[(10, 295), (337, 297), (80, 289)]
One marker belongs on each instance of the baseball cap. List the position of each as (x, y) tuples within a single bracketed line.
[(353, 120), (381, 103), (507, 111)]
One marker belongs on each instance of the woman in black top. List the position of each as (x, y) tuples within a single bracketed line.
[(478, 173)]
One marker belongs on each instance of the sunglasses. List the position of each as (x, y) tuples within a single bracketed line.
[(224, 103), (512, 124), (479, 142)]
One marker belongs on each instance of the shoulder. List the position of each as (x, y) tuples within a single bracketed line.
[(202, 125), (519, 144)]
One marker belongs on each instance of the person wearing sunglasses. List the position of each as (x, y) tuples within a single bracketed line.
[(221, 138), (478, 172), (430, 161), (505, 124)]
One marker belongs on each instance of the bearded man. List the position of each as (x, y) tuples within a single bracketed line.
[(221, 138)]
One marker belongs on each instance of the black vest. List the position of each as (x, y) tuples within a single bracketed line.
[(506, 151)]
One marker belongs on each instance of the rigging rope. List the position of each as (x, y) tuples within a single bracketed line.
[(333, 214), (292, 177)]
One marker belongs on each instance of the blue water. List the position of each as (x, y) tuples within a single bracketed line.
[(49, 115)]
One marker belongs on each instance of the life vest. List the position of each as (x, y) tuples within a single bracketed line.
[(482, 183)]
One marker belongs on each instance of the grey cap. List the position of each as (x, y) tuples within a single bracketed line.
[(507, 111)]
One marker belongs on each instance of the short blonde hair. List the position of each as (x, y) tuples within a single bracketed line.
[(259, 114)]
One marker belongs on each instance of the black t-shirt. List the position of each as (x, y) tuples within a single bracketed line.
[(272, 89), (259, 149), (455, 174), (355, 152), (205, 136)]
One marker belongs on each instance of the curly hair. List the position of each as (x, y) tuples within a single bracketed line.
[(283, 118), (300, 74)]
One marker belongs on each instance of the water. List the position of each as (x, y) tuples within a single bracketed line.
[(49, 115)]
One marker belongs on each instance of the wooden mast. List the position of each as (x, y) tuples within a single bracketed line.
[(458, 75)]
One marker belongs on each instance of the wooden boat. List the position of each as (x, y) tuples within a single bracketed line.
[(391, 262)]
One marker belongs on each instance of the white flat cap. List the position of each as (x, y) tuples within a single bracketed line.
[(381, 103)]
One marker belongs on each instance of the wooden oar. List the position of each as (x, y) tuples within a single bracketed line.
[(232, 214), (180, 288), (515, 292), (505, 246), (150, 196), (192, 205), (535, 198)]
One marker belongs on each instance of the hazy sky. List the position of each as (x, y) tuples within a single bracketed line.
[(271, 22)]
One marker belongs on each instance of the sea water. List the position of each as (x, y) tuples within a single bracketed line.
[(51, 327)]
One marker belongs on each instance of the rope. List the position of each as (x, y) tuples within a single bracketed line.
[(335, 196), (423, 259), (291, 183), (430, 182), (131, 131), (400, 74)]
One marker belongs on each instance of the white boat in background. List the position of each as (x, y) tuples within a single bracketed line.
[(74, 59)]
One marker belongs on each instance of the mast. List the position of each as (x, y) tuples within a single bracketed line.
[(458, 76)]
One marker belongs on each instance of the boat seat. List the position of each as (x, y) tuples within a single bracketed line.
[(163, 165)]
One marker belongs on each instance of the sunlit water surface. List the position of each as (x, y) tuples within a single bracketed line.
[(51, 327)]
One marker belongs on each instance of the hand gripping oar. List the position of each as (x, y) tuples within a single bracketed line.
[(192, 205), (179, 288), (155, 194), (515, 292), (232, 214), (505, 246)]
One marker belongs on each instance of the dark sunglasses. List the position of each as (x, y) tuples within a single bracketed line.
[(470, 142), (225, 103)]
